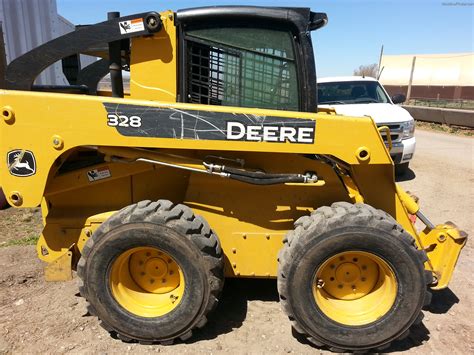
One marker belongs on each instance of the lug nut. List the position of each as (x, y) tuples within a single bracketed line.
[(173, 298)]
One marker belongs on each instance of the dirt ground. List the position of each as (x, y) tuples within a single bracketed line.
[(36, 317)]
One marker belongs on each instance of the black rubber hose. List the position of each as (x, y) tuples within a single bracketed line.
[(255, 174), (264, 181)]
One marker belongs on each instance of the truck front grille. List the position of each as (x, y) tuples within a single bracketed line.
[(396, 132)]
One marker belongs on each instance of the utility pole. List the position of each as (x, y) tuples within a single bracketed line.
[(411, 79), (3, 60), (380, 63)]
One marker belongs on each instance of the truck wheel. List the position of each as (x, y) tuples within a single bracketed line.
[(401, 169), (152, 272), (350, 278)]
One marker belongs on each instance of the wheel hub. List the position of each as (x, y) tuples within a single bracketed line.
[(347, 273), (354, 287), (147, 281), (156, 267), (154, 271)]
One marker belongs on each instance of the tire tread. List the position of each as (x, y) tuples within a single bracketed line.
[(176, 216), (318, 222)]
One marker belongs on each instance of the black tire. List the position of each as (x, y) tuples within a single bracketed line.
[(181, 234), (340, 228), (3, 200), (401, 169)]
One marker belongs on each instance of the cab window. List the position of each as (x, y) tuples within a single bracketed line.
[(239, 66)]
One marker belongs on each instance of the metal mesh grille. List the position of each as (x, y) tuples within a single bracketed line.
[(209, 68), (229, 77)]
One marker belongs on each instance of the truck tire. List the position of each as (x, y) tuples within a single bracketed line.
[(351, 279), (401, 169), (152, 272)]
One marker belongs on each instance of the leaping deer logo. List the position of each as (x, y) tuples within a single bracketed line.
[(18, 164), (21, 163)]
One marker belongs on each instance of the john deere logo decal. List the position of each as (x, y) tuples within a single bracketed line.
[(21, 163)]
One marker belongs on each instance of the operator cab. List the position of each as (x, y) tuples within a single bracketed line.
[(248, 57)]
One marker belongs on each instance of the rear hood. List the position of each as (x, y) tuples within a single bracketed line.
[(381, 113)]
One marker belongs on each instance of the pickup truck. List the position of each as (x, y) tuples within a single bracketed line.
[(365, 96)]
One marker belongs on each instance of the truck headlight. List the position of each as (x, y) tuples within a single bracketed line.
[(408, 129)]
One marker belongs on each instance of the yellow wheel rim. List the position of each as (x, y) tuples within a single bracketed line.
[(355, 288), (147, 282)]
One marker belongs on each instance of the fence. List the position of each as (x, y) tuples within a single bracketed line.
[(442, 103)]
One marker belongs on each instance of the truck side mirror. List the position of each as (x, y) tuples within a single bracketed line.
[(398, 98)]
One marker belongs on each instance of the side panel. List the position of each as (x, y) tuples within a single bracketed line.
[(50, 124), (252, 220)]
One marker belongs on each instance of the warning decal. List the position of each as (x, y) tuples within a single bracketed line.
[(98, 174), (132, 26)]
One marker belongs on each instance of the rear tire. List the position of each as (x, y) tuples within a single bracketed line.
[(152, 272), (351, 257), (3, 200)]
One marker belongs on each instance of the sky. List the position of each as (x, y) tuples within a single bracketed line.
[(355, 32)]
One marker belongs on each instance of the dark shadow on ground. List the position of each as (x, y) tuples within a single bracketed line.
[(442, 301), (407, 176), (418, 335), (232, 308)]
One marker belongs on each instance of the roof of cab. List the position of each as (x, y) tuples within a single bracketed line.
[(303, 18)]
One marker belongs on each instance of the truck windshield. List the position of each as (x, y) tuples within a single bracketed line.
[(351, 92)]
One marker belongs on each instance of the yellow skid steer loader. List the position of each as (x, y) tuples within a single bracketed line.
[(215, 163)]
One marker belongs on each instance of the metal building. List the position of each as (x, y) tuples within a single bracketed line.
[(30, 23), (434, 76)]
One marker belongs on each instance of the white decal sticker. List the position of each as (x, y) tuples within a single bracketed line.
[(239, 131), (131, 26), (98, 174), (123, 121)]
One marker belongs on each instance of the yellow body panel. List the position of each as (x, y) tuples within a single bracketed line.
[(153, 64)]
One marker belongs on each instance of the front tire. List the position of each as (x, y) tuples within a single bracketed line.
[(152, 272), (350, 278)]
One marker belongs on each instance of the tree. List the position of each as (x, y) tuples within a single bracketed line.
[(371, 70)]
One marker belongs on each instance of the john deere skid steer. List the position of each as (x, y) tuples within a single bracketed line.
[(215, 163)]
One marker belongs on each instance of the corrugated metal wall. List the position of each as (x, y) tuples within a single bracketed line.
[(30, 23)]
